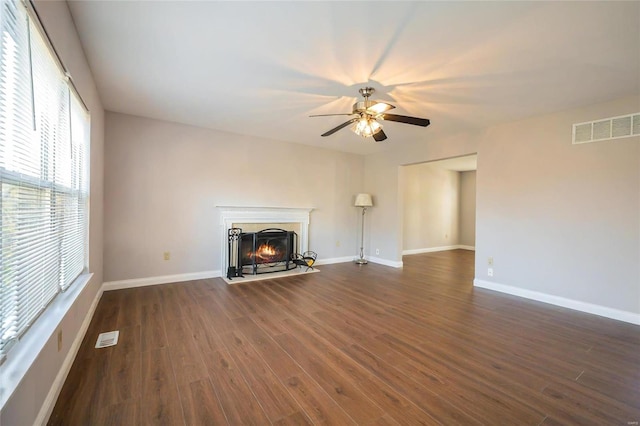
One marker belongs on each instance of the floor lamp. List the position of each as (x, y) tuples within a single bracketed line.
[(364, 201)]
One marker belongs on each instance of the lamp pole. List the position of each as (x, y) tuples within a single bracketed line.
[(362, 260), (364, 201)]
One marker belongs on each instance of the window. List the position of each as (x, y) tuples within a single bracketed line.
[(44, 134)]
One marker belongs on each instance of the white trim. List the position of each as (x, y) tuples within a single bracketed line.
[(392, 263), (56, 386), (234, 214), (24, 353), (332, 260), (164, 279), (428, 250), (603, 311), (433, 249)]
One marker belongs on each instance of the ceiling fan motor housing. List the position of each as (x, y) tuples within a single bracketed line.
[(362, 106)]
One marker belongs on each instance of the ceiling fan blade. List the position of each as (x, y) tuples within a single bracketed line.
[(379, 108), (328, 115), (424, 122), (379, 136), (342, 126)]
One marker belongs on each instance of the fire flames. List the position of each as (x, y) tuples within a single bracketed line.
[(267, 253)]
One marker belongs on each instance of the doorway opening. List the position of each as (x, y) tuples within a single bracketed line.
[(439, 205)]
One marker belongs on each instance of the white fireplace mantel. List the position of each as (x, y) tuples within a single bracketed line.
[(236, 214)]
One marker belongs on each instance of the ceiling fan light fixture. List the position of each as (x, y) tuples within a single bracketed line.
[(375, 126), (366, 127)]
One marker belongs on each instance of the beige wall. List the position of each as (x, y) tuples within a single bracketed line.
[(431, 207), (439, 207), (467, 223), (164, 181), (558, 218), (27, 400)]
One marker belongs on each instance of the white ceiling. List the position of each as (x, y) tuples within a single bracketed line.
[(260, 68)]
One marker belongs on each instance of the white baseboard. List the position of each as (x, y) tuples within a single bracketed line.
[(386, 262), (164, 279), (434, 249), (603, 311), (56, 386), (332, 260)]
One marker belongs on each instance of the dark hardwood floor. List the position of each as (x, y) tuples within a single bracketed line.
[(351, 345)]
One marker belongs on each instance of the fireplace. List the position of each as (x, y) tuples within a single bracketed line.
[(254, 220), (269, 250)]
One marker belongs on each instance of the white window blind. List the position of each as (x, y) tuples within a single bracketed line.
[(44, 134)]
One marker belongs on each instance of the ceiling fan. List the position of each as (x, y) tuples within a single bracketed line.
[(367, 115)]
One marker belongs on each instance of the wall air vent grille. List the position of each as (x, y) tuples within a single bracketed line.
[(624, 126)]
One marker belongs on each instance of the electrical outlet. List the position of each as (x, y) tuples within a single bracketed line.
[(338, 243), (490, 261), (167, 255), (59, 340), (377, 251), (490, 272)]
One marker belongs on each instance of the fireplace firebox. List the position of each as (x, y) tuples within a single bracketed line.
[(269, 250)]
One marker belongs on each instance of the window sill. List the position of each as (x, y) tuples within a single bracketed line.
[(24, 353)]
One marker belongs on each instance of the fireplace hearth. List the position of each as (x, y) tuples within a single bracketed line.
[(268, 250)]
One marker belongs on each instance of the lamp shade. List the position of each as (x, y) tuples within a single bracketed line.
[(363, 200)]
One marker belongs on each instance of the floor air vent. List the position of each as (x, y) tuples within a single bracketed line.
[(107, 339), (623, 126)]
